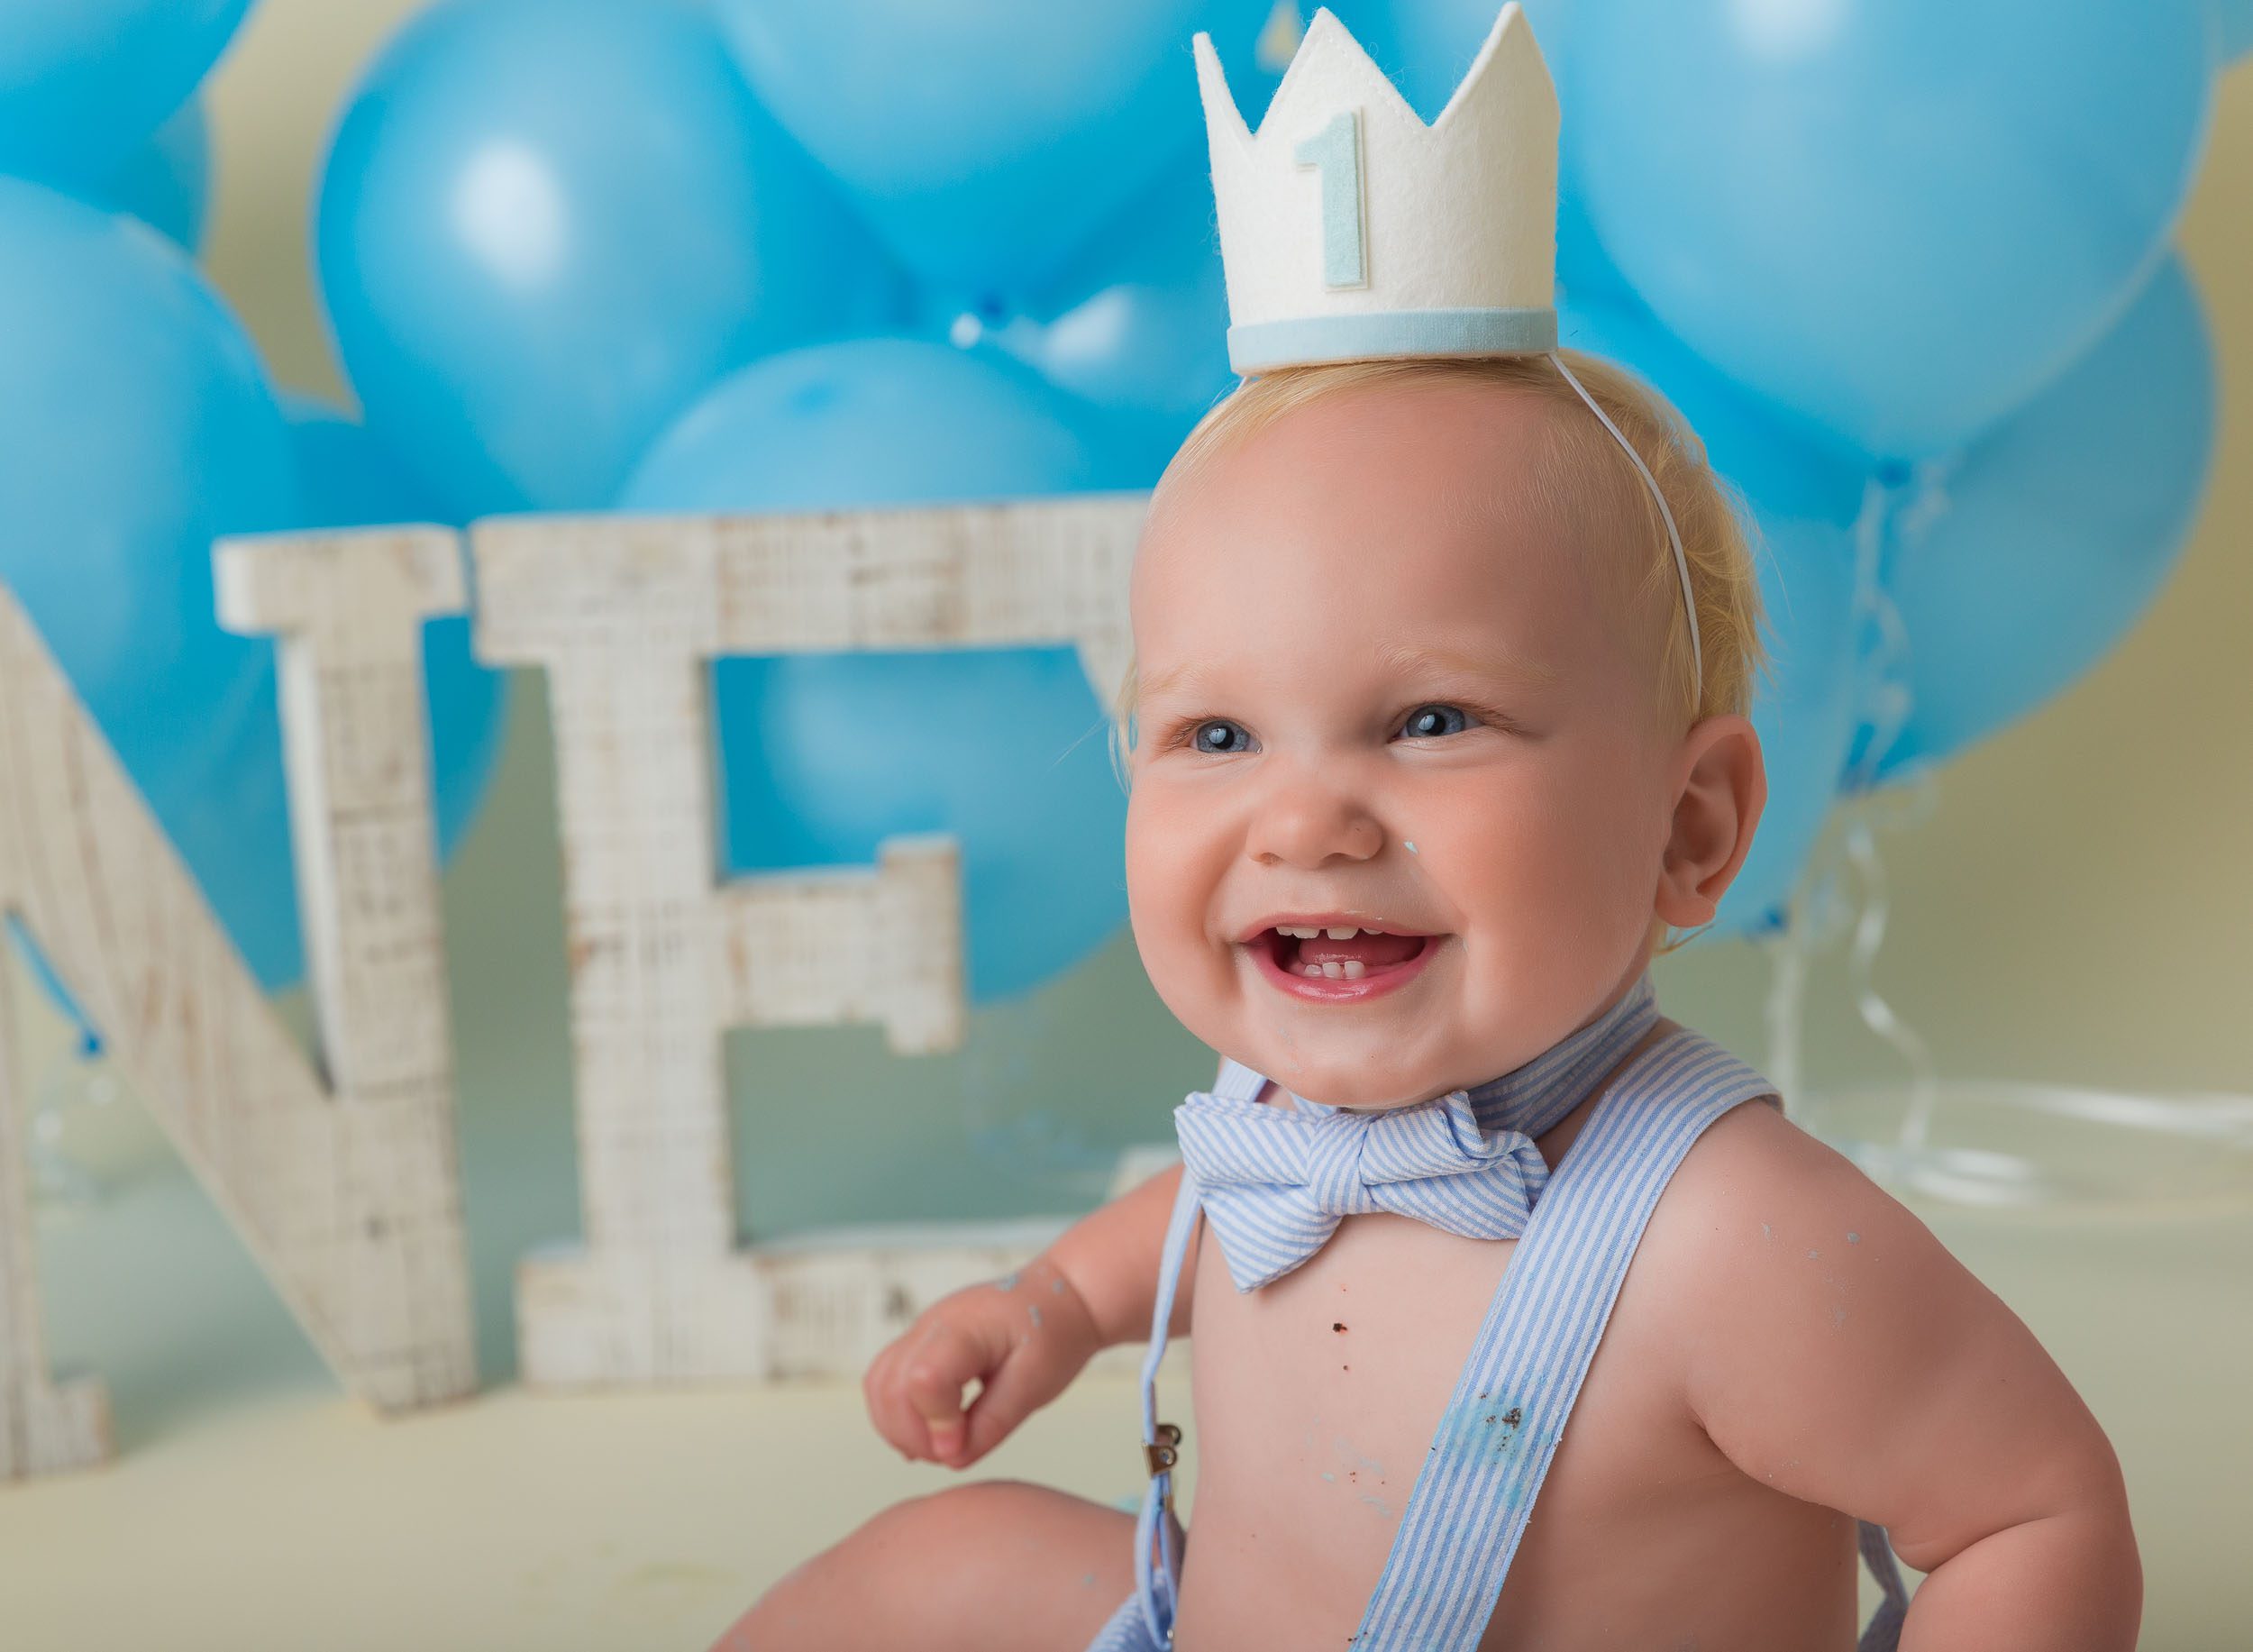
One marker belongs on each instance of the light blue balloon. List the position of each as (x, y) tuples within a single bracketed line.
[(986, 139), (83, 82), (234, 829), (546, 226), (136, 425), (2053, 533), (1898, 218), (827, 754), (166, 183), (1804, 502), (2233, 26), (1136, 323)]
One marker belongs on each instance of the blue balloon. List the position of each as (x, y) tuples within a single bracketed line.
[(348, 478), (546, 226), (136, 425), (1135, 324), (166, 183), (236, 830), (986, 139), (1135, 321), (2052, 535), (82, 82), (827, 754), (2233, 24), (1804, 504), (1898, 218)]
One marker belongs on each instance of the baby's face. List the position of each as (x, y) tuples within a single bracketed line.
[(1381, 691)]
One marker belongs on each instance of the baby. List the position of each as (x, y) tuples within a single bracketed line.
[(1519, 1316), (1414, 677)]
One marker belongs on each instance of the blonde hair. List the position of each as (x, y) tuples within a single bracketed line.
[(1716, 527)]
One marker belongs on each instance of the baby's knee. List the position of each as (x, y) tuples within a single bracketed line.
[(891, 1575), (933, 1532)]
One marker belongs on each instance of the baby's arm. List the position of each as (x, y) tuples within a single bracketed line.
[(1110, 1256), (1025, 1337), (1835, 1351)]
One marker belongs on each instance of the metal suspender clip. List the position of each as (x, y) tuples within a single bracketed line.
[(1165, 1451)]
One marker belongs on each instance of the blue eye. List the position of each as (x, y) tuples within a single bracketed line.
[(1428, 722), (1222, 737)]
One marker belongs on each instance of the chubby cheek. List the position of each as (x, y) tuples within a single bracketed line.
[(1549, 881), (1173, 876)]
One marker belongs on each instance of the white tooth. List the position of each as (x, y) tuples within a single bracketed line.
[(1346, 933), (1312, 969), (1355, 969), (1335, 972), (1302, 934)]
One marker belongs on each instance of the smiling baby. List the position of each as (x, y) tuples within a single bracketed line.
[(1519, 1315)]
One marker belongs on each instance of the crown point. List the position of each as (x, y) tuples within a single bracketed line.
[(1331, 68), (1212, 83), (1325, 32), (1508, 71)]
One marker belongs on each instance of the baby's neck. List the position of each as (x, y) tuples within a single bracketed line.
[(1534, 1089)]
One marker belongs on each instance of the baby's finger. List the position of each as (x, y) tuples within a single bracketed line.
[(887, 1406), (894, 1413), (932, 1377), (1010, 1395)]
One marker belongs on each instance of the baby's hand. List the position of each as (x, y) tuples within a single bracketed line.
[(1025, 1337)]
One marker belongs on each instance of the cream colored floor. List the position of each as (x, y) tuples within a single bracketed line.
[(252, 1507)]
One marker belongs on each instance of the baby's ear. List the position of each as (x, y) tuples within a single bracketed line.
[(1723, 788)]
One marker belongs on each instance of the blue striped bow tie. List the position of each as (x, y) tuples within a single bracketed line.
[(1274, 1182)]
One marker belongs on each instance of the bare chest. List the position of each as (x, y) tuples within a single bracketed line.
[(1316, 1402)]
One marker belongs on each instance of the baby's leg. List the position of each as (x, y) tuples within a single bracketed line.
[(992, 1565)]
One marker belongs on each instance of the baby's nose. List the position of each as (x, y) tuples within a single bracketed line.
[(1311, 826)]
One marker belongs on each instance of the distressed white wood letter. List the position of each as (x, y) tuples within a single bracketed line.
[(626, 613), (347, 1192)]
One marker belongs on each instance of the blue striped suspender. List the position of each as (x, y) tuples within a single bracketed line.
[(1493, 1444)]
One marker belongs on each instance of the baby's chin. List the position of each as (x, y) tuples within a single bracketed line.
[(1364, 1081)]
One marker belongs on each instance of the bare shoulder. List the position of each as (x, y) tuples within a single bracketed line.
[(1829, 1343), (1757, 1191), (1765, 1228)]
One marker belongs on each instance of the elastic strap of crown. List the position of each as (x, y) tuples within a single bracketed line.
[(1673, 534)]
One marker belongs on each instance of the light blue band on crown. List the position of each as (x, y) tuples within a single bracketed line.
[(1385, 333)]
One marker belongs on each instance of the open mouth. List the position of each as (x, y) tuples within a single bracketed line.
[(1339, 962)]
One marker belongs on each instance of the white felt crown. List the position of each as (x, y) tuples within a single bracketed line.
[(1350, 230)]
